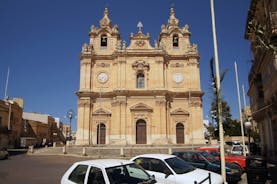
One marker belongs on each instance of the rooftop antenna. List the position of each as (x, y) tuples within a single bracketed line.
[(7, 81)]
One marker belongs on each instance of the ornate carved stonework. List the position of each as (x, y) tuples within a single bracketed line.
[(177, 65), (140, 43), (140, 66), (102, 65), (192, 63)]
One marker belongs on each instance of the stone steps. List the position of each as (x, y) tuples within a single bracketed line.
[(110, 151)]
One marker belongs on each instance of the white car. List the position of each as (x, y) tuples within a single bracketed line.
[(237, 150), (170, 169), (106, 171)]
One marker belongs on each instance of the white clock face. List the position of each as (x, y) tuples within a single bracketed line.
[(102, 77), (178, 77)]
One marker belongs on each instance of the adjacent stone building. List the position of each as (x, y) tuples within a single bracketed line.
[(139, 94), (43, 127), (10, 122), (261, 31)]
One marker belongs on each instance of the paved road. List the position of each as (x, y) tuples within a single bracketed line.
[(38, 169), (34, 169)]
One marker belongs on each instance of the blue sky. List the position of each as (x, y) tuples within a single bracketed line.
[(41, 40)]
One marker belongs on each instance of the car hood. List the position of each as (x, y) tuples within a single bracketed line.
[(199, 175)]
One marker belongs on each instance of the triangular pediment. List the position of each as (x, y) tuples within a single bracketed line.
[(180, 111), (101, 111), (141, 107)]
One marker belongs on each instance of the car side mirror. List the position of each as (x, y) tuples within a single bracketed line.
[(167, 173)]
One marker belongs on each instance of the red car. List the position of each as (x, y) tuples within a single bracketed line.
[(236, 159)]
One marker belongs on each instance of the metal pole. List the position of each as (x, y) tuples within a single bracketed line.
[(7, 81), (244, 99), (9, 120), (221, 133), (70, 117), (241, 122)]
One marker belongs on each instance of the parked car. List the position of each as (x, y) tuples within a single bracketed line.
[(203, 160), (237, 150), (106, 171), (170, 169), (4, 154), (231, 158)]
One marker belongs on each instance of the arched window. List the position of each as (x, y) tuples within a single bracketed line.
[(175, 40), (140, 80), (104, 40)]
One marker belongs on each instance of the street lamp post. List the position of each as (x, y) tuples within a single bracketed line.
[(248, 126), (70, 116)]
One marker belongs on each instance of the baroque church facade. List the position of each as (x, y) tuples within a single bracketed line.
[(139, 94)]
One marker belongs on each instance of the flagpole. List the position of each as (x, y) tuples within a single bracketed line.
[(7, 81), (221, 133), (241, 122)]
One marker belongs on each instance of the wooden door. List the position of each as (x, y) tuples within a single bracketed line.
[(141, 132), (101, 134), (180, 139)]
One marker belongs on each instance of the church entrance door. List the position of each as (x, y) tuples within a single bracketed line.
[(101, 133), (141, 132), (180, 133)]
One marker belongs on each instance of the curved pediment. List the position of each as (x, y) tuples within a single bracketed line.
[(180, 111), (141, 107)]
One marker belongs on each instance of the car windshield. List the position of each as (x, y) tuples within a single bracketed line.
[(209, 157), (130, 173), (178, 165)]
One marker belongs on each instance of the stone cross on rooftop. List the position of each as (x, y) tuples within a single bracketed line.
[(139, 26)]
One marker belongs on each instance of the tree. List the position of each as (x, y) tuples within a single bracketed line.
[(214, 105)]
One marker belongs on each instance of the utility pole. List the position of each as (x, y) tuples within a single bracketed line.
[(219, 104)]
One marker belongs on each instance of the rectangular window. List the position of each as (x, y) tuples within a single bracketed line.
[(78, 174), (96, 176), (140, 80)]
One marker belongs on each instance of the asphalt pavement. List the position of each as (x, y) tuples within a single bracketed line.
[(33, 169), (40, 169)]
